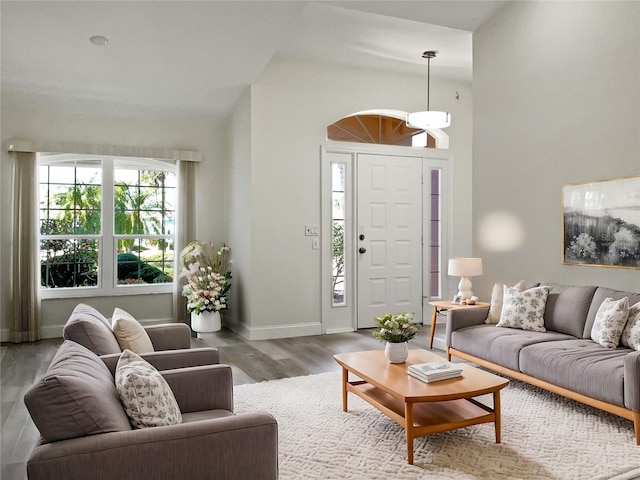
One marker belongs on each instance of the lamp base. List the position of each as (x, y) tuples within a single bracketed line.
[(464, 288)]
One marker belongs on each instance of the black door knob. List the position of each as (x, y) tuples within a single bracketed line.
[(362, 249), (361, 237)]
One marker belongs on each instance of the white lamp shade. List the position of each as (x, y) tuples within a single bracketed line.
[(465, 267), (428, 119)]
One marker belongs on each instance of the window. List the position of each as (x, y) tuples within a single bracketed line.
[(435, 227), (106, 223), (338, 204)]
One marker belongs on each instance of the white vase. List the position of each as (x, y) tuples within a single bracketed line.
[(205, 322), (396, 352)]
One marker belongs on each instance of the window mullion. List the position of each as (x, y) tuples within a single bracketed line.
[(107, 252)]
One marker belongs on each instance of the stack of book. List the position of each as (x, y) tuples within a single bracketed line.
[(435, 371)]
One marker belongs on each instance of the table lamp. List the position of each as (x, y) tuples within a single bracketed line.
[(465, 268)]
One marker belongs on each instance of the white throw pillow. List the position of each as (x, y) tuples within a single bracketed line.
[(497, 295), (145, 394), (609, 323), (631, 333), (129, 333), (524, 310)]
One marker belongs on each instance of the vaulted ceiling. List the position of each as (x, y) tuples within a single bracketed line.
[(197, 57)]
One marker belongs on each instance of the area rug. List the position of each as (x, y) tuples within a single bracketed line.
[(544, 436)]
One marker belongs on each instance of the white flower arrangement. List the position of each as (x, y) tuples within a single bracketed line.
[(395, 328), (207, 273)]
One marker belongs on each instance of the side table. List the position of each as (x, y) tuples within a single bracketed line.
[(443, 306)]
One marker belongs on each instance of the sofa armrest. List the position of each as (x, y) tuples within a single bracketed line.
[(238, 447), (461, 318), (170, 359), (632, 381), (169, 336), (201, 388)]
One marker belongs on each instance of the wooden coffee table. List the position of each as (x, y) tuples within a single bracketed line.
[(418, 407)]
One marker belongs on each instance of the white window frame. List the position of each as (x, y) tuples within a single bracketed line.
[(107, 240)]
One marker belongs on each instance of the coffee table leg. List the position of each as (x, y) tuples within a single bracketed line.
[(345, 379), (496, 411), (408, 421)]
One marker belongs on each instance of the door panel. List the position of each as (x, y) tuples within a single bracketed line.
[(389, 213)]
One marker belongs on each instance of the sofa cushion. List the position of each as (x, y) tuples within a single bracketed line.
[(497, 297), (76, 397), (146, 396), (579, 365), (631, 334), (567, 308), (600, 294), (609, 323), (129, 333), (524, 310), (499, 345), (89, 328)]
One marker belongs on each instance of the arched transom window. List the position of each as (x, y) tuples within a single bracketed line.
[(384, 127)]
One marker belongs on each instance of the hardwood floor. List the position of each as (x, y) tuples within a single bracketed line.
[(251, 361)]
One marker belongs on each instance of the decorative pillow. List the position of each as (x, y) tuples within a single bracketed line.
[(145, 395), (495, 310), (524, 309), (631, 333), (609, 322), (88, 327), (129, 333), (76, 397)]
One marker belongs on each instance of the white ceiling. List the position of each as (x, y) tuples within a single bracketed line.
[(198, 57)]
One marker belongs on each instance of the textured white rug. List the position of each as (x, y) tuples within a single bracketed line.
[(544, 436)]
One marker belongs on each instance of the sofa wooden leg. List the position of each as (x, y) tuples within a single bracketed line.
[(636, 426)]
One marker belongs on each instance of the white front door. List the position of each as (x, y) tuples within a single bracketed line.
[(389, 236)]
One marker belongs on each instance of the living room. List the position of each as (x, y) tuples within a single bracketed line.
[(554, 100)]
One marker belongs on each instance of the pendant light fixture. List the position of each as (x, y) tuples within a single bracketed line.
[(429, 118)]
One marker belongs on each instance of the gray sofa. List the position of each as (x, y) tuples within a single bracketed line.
[(563, 359), (86, 434)]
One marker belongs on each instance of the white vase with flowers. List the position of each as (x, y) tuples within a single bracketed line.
[(207, 274), (396, 329)]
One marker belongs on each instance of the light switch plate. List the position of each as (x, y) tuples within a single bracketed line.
[(311, 230)]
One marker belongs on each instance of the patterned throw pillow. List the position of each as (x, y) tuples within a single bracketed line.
[(497, 298), (609, 322), (145, 395), (631, 333), (524, 310)]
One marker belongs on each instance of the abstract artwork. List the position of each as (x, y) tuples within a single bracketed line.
[(602, 223)]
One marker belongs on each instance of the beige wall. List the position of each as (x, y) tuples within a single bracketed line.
[(240, 210), (259, 183), (291, 106), (556, 101), (43, 121)]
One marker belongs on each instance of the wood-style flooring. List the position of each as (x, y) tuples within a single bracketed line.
[(251, 361)]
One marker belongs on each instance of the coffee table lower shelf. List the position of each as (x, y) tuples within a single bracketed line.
[(421, 418)]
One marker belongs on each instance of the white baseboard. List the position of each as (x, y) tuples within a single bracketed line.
[(276, 331), (339, 330), (55, 331)]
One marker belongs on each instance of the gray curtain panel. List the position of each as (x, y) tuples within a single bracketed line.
[(24, 285)]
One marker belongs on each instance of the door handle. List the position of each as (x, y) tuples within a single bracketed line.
[(362, 249)]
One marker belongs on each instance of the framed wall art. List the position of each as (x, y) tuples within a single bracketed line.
[(601, 223)]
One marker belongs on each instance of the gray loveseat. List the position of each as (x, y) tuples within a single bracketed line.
[(171, 341), (563, 359), (86, 434)]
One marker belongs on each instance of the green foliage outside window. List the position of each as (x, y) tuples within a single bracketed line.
[(139, 209)]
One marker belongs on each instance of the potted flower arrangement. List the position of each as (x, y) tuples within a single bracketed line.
[(207, 273), (396, 330)]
